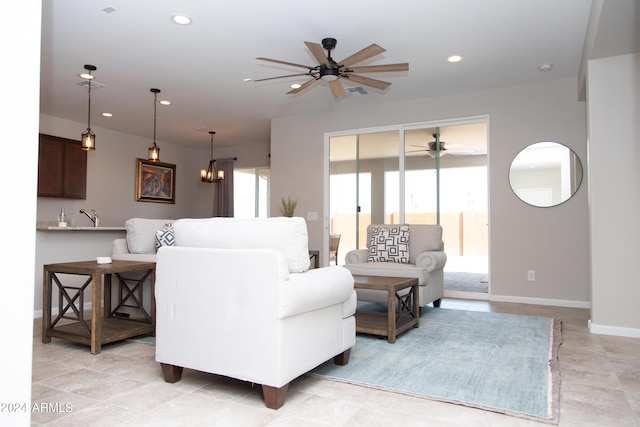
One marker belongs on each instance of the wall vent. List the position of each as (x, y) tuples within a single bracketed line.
[(357, 91), (94, 85)]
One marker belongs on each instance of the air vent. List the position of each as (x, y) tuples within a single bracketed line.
[(94, 85), (357, 91)]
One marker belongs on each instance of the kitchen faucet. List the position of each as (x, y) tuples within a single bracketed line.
[(93, 218)]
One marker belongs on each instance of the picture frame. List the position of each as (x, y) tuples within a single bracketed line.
[(155, 182)]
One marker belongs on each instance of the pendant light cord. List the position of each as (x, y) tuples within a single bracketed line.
[(155, 110), (89, 113)]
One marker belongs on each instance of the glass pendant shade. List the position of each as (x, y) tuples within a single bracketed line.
[(154, 150), (154, 153), (88, 142)]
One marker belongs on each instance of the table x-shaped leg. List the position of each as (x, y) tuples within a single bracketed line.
[(131, 290), (69, 302)]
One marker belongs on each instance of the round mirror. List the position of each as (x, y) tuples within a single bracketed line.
[(545, 174)]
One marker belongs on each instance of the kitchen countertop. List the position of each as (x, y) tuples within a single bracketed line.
[(51, 228)]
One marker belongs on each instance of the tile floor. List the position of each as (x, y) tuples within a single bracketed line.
[(123, 386), (466, 282)]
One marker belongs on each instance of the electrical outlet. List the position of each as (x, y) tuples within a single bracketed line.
[(531, 275), (312, 216)]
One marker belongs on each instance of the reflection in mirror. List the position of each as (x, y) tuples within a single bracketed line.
[(545, 174)]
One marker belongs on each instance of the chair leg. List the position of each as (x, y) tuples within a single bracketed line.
[(342, 358), (273, 396), (171, 373)]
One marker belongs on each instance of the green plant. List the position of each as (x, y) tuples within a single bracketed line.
[(288, 206)]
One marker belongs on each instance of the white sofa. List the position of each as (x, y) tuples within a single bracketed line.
[(139, 245), (426, 262), (140, 242), (234, 297)]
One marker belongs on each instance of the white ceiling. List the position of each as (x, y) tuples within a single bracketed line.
[(200, 67)]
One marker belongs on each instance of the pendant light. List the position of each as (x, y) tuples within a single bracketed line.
[(154, 150), (211, 174), (88, 141)]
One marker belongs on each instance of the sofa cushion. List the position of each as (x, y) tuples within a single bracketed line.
[(141, 234), (424, 237), (288, 235), (165, 237), (389, 244)]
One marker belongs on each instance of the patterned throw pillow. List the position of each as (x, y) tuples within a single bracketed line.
[(389, 244), (165, 237)]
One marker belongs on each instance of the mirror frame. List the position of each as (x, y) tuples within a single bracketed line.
[(547, 155)]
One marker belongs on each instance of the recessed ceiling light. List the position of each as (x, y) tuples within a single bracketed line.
[(295, 86), (181, 19), (248, 79), (547, 66), (165, 102), (107, 115), (454, 58)]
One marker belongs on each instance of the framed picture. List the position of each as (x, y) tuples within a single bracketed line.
[(155, 182)]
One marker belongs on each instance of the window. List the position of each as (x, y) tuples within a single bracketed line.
[(251, 193)]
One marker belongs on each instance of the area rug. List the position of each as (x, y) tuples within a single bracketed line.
[(499, 362)]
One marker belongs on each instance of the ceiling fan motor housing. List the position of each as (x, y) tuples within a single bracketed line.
[(329, 43)]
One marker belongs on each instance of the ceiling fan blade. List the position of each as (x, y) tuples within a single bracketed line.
[(281, 77), (318, 53), (469, 153), (365, 53), (305, 85), (378, 84), (380, 68), (338, 89), (285, 63)]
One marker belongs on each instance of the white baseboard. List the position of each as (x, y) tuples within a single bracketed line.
[(541, 301), (466, 295), (619, 331), (54, 311)]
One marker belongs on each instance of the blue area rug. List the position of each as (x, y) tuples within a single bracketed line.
[(499, 362)]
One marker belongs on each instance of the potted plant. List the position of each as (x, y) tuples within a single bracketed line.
[(288, 206)]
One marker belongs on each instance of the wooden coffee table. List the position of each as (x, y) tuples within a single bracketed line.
[(106, 324), (402, 310)]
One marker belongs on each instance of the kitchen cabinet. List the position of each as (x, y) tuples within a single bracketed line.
[(62, 168)]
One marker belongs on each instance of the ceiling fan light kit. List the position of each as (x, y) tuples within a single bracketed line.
[(332, 71)]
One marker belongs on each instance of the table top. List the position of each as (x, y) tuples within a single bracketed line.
[(382, 282), (89, 267)]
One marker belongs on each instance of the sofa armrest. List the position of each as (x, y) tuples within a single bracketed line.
[(431, 260), (357, 256), (119, 246), (315, 289)]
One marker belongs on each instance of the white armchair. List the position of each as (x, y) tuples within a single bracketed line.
[(234, 298), (426, 262)]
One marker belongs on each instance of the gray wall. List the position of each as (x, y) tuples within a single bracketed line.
[(551, 241), (613, 96)]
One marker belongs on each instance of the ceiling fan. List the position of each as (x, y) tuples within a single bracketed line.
[(332, 71), (431, 149)]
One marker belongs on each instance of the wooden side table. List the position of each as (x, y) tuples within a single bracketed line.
[(396, 319), (105, 325)]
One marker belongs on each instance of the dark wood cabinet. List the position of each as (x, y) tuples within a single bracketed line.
[(62, 168)]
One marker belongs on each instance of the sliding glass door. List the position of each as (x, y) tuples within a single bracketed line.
[(440, 178), (357, 181)]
